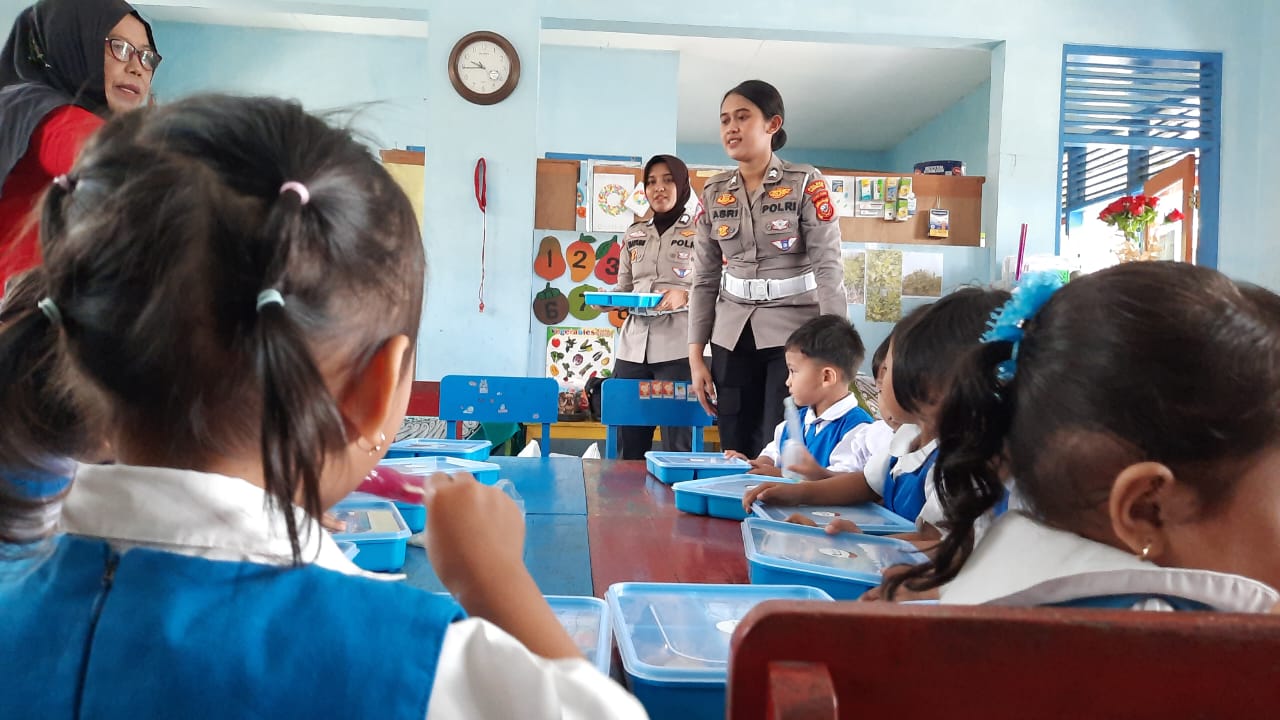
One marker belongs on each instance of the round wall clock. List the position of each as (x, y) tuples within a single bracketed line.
[(484, 67)]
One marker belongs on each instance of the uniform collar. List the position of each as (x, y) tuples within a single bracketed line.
[(772, 175), (191, 513), (900, 447), (837, 410), (1024, 562)]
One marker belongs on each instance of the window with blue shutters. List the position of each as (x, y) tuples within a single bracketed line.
[(1127, 114)]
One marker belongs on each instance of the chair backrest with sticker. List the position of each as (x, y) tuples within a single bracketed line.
[(635, 403), (499, 399)]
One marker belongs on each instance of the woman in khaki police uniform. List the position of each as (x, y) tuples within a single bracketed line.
[(767, 259), (658, 257)]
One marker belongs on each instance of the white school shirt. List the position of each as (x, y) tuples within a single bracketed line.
[(225, 518), (877, 468), (842, 457), (1022, 562), (868, 440)]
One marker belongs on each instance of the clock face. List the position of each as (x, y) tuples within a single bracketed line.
[(483, 67)]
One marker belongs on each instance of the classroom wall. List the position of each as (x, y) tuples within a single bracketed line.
[(959, 133), (713, 154), (1022, 168), (1030, 35), (322, 70), (637, 119)]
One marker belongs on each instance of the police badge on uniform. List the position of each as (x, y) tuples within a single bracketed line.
[(785, 244)]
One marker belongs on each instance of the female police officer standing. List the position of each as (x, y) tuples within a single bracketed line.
[(767, 259), (658, 258)]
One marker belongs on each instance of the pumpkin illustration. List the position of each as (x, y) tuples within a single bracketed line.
[(550, 306), (617, 317)]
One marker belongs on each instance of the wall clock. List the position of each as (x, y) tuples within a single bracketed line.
[(484, 67)]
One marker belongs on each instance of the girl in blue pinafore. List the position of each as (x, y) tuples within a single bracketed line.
[(230, 297), (1139, 410)]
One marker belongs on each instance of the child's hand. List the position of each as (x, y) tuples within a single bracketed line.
[(475, 537), (807, 466), (839, 525), (776, 493), (330, 522), (801, 519), (767, 469), (475, 541), (735, 455)]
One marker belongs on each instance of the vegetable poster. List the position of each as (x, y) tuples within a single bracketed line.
[(577, 354)]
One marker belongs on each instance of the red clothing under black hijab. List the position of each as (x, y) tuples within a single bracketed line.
[(54, 57), (52, 96)]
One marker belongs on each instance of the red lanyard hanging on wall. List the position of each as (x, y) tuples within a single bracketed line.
[(482, 199)]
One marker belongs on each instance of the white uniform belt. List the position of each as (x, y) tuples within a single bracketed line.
[(764, 289)]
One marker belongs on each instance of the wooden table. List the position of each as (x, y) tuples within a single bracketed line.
[(636, 534), (592, 523)]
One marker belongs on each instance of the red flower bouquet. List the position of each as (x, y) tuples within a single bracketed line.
[(1131, 215)]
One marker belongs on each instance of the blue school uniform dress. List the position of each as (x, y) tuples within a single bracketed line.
[(899, 475), (1022, 562), (170, 595), (828, 436)]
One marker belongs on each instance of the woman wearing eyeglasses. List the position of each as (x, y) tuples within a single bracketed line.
[(66, 66)]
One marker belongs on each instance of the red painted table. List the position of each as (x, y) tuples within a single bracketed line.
[(636, 533)]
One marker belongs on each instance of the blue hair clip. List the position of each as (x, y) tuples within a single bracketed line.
[(1008, 322)]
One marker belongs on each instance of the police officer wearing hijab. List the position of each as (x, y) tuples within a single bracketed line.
[(657, 257)]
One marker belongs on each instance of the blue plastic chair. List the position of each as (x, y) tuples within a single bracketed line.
[(497, 399), (621, 405)]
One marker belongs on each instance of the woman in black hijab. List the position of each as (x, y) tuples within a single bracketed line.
[(657, 257), (66, 66)]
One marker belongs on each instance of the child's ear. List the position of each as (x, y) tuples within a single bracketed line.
[(1142, 497), (830, 375), (369, 400)]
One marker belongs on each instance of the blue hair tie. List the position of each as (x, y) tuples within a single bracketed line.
[(1007, 323)]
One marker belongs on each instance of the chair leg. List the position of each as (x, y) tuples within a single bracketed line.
[(546, 440), (697, 439), (611, 442)]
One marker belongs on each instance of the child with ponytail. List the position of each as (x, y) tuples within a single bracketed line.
[(1137, 410), (230, 296)]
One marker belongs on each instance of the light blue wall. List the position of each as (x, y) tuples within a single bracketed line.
[(456, 337), (638, 119), (322, 70), (711, 154), (959, 133), (1022, 166)]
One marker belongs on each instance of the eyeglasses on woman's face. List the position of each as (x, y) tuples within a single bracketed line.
[(123, 50)]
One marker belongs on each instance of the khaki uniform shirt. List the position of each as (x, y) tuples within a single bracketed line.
[(651, 263), (785, 229)]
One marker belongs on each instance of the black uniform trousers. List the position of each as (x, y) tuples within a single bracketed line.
[(751, 385)]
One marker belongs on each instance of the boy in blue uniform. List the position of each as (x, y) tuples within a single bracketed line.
[(822, 356), (917, 378)]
